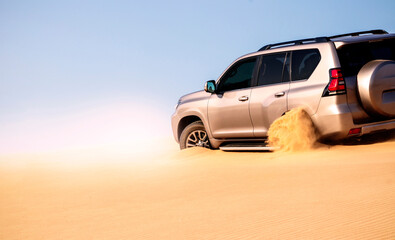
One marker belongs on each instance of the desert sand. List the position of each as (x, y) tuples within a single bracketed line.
[(332, 192)]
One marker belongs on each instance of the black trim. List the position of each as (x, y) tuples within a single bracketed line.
[(287, 58), (255, 74)]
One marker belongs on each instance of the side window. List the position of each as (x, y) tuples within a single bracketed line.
[(238, 76), (274, 69), (304, 63)]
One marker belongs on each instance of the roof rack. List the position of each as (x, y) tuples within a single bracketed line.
[(295, 42), (319, 39), (354, 34)]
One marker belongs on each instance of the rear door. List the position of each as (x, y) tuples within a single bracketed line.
[(269, 97), (307, 84), (228, 109)]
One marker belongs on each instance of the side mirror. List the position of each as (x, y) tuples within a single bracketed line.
[(210, 86)]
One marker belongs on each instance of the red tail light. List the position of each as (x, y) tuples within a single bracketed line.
[(354, 131), (336, 84)]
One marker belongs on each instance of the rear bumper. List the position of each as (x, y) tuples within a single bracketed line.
[(334, 121), (378, 127)]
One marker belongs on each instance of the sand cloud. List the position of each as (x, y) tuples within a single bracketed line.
[(293, 132)]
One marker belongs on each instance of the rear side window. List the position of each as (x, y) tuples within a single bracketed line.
[(354, 56), (304, 63), (273, 69), (238, 76)]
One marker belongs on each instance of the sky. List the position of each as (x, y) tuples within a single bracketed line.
[(64, 58)]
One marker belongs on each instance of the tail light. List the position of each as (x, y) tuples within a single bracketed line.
[(336, 84), (354, 131)]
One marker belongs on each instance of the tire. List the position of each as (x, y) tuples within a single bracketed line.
[(194, 135), (376, 81)]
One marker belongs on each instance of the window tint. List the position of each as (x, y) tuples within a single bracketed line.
[(354, 56), (304, 63), (272, 69), (238, 76)]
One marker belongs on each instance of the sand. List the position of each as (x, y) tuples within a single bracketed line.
[(333, 192), (293, 132)]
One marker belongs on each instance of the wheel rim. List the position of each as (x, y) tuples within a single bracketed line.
[(197, 138)]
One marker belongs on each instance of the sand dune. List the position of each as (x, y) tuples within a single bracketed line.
[(334, 192)]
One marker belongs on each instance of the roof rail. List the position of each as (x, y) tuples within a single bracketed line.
[(354, 34), (319, 39), (295, 42)]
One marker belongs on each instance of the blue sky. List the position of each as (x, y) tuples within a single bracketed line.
[(56, 56)]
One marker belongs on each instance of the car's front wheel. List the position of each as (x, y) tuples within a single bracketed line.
[(194, 135)]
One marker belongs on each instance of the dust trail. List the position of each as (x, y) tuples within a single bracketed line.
[(293, 132)]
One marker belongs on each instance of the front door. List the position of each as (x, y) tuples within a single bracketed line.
[(228, 109)]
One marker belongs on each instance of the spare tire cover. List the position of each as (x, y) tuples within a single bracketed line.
[(376, 86)]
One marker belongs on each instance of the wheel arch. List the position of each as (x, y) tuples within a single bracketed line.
[(184, 122), (309, 112)]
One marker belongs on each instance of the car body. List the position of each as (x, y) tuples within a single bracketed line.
[(346, 83)]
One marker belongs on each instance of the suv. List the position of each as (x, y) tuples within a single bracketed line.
[(346, 83)]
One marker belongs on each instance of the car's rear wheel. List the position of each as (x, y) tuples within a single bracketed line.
[(194, 135)]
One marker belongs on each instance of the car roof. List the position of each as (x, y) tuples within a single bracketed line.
[(364, 38)]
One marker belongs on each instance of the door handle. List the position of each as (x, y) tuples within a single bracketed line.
[(279, 94), (243, 98)]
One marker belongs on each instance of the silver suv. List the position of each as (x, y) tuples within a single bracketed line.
[(346, 83)]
